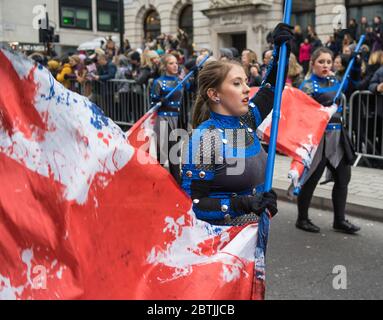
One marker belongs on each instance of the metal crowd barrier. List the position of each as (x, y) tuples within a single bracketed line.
[(125, 101), (345, 108), (365, 124)]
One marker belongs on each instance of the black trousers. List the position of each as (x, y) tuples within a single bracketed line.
[(342, 177)]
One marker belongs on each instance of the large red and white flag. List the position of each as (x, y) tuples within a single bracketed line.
[(82, 216), (302, 124)]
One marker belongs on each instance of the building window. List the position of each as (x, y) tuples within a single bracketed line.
[(303, 13), (186, 21), (356, 9), (152, 25), (108, 15), (76, 14)]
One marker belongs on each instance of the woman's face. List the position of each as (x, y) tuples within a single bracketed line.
[(322, 65), (234, 92), (156, 60), (172, 66), (338, 64)]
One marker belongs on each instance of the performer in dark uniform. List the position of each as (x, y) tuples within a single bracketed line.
[(168, 113), (332, 152), (223, 162)]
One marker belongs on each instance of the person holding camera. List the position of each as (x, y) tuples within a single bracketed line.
[(252, 68)]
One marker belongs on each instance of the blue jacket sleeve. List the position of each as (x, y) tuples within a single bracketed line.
[(155, 95)]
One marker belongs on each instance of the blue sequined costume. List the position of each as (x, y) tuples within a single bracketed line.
[(324, 90), (168, 115), (224, 160), (161, 87)]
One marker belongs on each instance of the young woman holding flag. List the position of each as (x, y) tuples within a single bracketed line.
[(168, 113), (333, 151), (223, 163)]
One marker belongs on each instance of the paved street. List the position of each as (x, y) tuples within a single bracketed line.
[(300, 264), (365, 192)]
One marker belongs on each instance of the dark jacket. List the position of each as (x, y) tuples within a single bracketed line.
[(370, 71), (296, 43), (147, 73), (376, 79), (107, 72)]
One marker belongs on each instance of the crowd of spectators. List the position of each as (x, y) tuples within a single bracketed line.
[(143, 64)]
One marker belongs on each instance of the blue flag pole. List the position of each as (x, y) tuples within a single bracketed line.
[(297, 189), (180, 85), (283, 60), (264, 220)]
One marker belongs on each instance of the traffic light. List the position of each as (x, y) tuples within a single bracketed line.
[(43, 31), (52, 37), (47, 34)]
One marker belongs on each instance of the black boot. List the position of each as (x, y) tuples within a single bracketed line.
[(307, 225), (346, 227)]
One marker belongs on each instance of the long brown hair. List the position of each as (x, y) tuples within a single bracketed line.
[(211, 76)]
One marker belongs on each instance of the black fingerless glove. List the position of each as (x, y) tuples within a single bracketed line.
[(356, 68), (281, 34), (256, 204), (270, 202)]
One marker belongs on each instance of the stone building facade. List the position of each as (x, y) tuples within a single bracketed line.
[(216, 24), (239, 23), (18, 22)]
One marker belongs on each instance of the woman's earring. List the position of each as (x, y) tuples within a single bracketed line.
[(218, 101)]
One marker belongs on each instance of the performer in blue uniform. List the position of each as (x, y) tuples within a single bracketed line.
[(334, 151), (223, 162), (168, 113)]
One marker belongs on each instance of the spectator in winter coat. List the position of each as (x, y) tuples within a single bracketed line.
[(150, 64), (65, 70), (106, 69), (376, 83), (374, 63)]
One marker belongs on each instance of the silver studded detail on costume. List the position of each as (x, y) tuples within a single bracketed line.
[(237, 221)]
